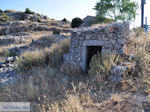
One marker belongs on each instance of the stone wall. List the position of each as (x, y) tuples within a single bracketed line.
[(111, 37)]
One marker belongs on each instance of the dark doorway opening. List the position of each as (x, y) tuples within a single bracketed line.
[(92, 50)]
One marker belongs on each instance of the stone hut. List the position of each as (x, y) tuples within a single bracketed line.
[(87, 41)]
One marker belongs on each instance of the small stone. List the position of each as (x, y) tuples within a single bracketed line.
[(117, 73), (3, 65), (121, 41), (64, 80), (112, 41), (105, 39), (131, 57), (9, 59), (117, 46), (88, 36)]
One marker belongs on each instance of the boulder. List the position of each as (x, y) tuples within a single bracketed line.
[(117, 72), (120, 71)]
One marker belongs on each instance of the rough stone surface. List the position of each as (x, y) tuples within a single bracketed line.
[(111, 37), (14, 38), (7, 71), (117, 72)]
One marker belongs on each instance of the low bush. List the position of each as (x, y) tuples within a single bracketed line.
[(56, 32), (4, 17), (64, 20), (101, 64), (76, 22), (28, 11), (1, 11)]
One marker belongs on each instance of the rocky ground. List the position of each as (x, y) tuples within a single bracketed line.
[(14, 22), (13, 45), (8, 73), (21, 32), (46, 87)]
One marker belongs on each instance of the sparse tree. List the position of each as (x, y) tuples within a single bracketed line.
[(118, 10)]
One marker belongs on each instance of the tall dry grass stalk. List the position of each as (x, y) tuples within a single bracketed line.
[(102, 63), (73, 102), (139, 45)]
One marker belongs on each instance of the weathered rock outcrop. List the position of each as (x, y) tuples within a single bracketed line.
[(14, 38), (21, 22), (18, 15), (26, 26), (7, 71)]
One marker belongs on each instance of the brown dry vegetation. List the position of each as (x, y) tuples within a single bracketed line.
[(52, 86)]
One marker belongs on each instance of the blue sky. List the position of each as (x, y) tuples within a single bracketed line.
[(59, 9)]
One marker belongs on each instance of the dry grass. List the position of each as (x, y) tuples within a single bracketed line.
[(50, 56), (5, 52), (45, 41), (101, 65), (139, 46), (68, 69), (36, 83), (49, 89)]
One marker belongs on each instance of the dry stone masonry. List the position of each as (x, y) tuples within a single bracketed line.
[(87, 41)]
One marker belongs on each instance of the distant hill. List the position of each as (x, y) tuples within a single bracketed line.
[(12, 15), (12, 21)]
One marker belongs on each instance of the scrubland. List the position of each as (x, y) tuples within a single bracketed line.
[(50, 85)]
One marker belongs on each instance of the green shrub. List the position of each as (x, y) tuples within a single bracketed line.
[(101, 64), (76, 22), (56, 32), (64, 20), (28, 11), (4, 17), (1, 11)]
